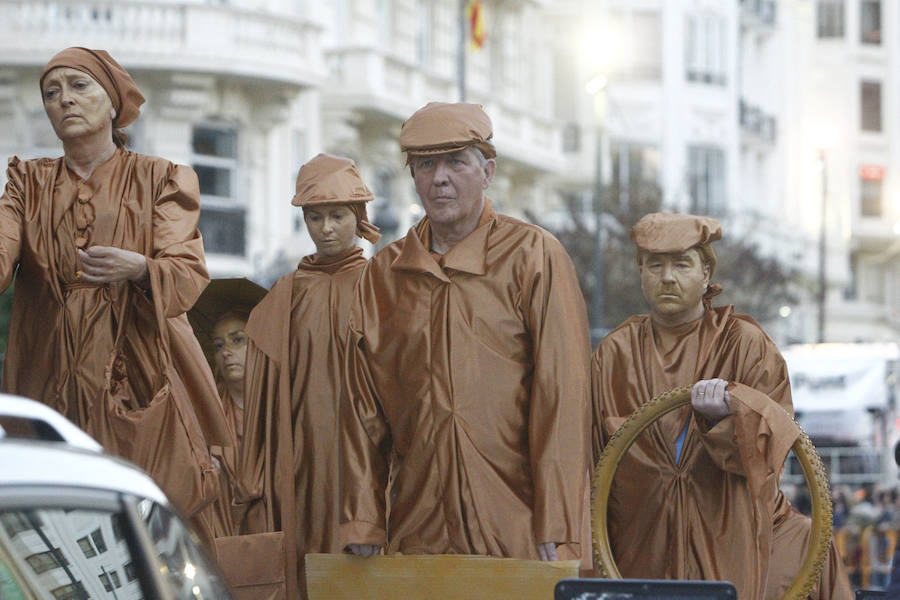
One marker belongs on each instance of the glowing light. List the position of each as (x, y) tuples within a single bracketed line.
[(601, 47), (415, 209), (785, 311), (190, 571), (596, 85), (824, 137)]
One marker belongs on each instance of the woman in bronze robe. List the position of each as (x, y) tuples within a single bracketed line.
[(107, 257), (219, 319), (294, 386)]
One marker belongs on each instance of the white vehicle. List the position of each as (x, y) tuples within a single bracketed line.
[(845, 399), (76, 523)]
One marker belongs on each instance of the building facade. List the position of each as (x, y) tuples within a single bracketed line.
[(246, 91), (728, 107)]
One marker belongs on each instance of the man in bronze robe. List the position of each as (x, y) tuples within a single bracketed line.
[(467, 371), (697, 496)]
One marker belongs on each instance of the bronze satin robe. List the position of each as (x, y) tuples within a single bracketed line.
[(294, 391), (223, 515), (62, 331), (468, 381), (711, 514)]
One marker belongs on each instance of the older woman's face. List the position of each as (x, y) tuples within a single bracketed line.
[(76, 104), (230, 343), (331, 227)]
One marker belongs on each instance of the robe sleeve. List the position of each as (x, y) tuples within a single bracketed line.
[(12, 215), (261, 390), (598, 437), (366, 443), (736, 439), (177, 265), (557, 419)]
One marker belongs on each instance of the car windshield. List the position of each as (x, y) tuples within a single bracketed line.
[(188, 572)]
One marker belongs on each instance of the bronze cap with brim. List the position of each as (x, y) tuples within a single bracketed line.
[(440, 127), (221, 297)]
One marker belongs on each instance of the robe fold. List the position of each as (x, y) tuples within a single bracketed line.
[(288, 470), (62, 331), (223, 515), (468, 384), (715, 510)]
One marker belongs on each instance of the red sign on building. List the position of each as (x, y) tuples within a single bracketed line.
[(871, 172)]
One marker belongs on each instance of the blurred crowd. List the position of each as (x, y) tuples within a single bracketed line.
[(866, 523)]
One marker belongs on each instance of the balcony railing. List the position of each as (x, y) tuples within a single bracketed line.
[(759, 13), (195, 37), (756, 124), (850, 465), (369, 78)]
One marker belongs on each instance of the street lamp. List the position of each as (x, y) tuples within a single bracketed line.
[(820, 321), (823, 139), (595, 88)]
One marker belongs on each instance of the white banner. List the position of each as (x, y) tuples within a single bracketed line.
[(839, 377)]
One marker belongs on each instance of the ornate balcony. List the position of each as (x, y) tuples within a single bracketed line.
[(757, 126), (158, 35), (368, 79), (759, 14)]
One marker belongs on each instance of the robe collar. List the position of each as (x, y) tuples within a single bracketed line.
[(468, 256), (349, 257), (69, 185)]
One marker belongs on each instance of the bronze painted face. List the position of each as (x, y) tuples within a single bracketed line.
[(332, 228), (76, 104), (230, 343), (673, 285), (451, 185)]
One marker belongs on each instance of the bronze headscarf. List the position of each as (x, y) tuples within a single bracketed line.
[(440, 127), (123, 92), (328, 179), (667, 233)]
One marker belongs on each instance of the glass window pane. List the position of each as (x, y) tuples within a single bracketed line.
[(215, 141), (86, 547), (224, 230), (870, 106), (870, 22), (830, 18), (44, 561), (706, 180), (99, 542), (870, 198), (214, 181)]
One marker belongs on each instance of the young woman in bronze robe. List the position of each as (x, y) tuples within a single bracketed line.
[(294, 381), (104, 245), (219, 319)]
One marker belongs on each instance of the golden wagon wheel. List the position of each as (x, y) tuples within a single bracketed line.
[(646, 415)]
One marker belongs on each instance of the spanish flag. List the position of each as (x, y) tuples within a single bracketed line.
[(475, 16)]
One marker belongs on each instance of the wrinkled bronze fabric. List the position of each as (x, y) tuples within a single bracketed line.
[(717, 512), (468, 381), (222, 514), (293, 394), (62, 331)]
